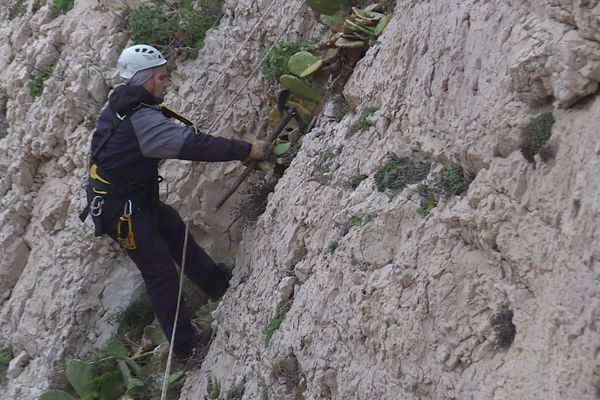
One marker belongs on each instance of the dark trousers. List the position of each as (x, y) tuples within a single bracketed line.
[(159, 235)]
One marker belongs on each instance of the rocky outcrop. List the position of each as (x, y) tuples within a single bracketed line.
[(493, 295)]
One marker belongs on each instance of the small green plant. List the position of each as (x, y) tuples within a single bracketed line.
[(454, 179), (59, 7), (37, 83), (5, 357), (332, 246), (277, 321), (361, 124), (357, 179), (3, 103), (182, 26), (398, 172), (113, 374), (354, 221), (428, 201), (17, 9), (133, 319), (535, 134), (233, 393), (276, 63)]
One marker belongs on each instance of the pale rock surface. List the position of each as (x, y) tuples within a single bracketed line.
[(394, 307)]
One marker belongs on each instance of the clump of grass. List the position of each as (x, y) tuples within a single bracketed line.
[(454, 179), (17, 9), (504, 328), (5, 357), (182, 26), (361, 124), (37, 83), (332, 246), (133, 319), (398, 172), (277, 321), (276, 63), (354, 221), (59, 7), (535, 134), (428, 201), (357, 179)]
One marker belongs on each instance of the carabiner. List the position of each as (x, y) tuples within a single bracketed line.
[(96, 206)]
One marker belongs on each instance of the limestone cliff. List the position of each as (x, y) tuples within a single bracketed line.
[(493, 295)]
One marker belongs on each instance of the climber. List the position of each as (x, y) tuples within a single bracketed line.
[(132, 134)]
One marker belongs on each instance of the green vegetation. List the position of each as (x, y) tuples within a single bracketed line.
[(134, 319), (182, 26), (454, 179), (332, 246), (357, 179), (277, 321), (362, 124), (3, 102), (5, 357), (535, 134), (37, 83), (399, 172), (59, 7), (428, 201), (17, 9), (354, 221), (276, 62)]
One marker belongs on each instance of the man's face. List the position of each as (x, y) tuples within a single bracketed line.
[(159, 83)]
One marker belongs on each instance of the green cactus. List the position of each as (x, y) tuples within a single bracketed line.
[(81, 377), (56, 395), (299, 88), (302, 61), (350, 43), (328, 7)]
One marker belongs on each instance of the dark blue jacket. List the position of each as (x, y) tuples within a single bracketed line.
[(145, 136)]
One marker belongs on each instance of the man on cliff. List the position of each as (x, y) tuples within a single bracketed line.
[(132, 135)]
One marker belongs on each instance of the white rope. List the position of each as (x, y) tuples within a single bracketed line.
[(188, 213), (210, 89)]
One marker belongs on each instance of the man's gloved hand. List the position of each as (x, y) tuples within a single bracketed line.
[(261, 150)]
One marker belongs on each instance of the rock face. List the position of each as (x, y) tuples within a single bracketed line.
[(493, 295)]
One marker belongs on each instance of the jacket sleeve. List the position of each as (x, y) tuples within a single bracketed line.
[(158, 137)]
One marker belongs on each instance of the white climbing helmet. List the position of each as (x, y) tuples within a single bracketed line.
[(137, 58)]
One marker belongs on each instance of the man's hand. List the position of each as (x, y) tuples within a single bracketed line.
[(261, 150)]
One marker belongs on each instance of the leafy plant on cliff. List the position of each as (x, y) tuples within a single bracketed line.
[(535, 134), (5, 357), (454, 179), (398, 172), (277, 321), (361, 124), (59, 7), (276, 62), (180, 24), (37, 83), (428, 201)]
